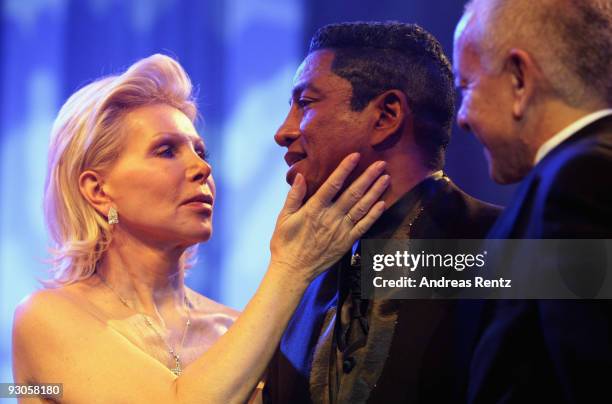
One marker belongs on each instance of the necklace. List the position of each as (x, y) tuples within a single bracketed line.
[(177, 369)]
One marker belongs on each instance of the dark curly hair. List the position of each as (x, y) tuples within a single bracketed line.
[(379, 56)]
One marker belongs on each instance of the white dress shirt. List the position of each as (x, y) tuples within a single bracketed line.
[(568, 131)]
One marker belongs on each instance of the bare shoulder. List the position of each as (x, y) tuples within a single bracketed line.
[(39, 308), (49, 313), (50, 305), (46, 315), (29, 320), (205, 305), (57, 339)]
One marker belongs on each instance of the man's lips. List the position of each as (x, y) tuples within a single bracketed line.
[(293, 157)]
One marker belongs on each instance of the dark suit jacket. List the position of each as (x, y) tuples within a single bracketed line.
[(424, 356), (553, 351)]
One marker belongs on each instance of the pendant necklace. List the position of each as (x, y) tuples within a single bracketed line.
[(177, 369)]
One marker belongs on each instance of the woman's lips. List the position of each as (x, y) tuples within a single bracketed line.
[(200, 207)]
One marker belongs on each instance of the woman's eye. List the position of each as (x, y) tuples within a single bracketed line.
[(204, 154), (166, 151)]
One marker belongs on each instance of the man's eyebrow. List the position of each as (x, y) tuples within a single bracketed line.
[(300, 88)]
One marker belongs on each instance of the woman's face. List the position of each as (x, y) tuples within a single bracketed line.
[(161, 183)]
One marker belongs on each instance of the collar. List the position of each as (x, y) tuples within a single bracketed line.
[(568, 131), (393, 217)]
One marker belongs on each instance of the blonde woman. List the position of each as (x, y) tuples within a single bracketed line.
[(129, 192)]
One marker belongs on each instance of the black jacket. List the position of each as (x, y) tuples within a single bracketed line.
[(422, 354), (557, 351)]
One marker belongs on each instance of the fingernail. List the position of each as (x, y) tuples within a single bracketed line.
[(385, 179), (298, 179), (354, 158), (380, 165)]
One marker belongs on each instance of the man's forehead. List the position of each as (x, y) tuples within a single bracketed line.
[(466, 20), (464, 46), (465, 32), (315, 64)]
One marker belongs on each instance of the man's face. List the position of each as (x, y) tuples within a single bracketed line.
[(486, 110), (320, 128)]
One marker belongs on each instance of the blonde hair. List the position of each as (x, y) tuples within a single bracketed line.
[(87, 134)]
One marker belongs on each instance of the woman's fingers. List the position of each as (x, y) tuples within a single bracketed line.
[(355, 192), (296, 194), (314, 235), (330, 188), (363, 205), (367, 221)]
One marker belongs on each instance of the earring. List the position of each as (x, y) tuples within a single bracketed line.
[(113, 217)]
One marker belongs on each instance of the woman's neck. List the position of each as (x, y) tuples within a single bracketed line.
[(150, 280)]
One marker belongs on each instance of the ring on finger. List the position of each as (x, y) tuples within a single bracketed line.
[(350, 218)]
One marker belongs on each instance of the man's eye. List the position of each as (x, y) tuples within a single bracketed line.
[(303, 102)]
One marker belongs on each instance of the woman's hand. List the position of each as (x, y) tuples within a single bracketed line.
[(309, 238)]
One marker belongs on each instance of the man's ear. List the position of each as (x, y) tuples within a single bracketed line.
[(525, 74), (91, 187), (391, 108)]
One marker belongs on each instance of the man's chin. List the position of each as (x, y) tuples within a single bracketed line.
[(505, 175), (293, 172), (290, 176)]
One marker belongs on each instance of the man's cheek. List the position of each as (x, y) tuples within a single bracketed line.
[(308, 123)]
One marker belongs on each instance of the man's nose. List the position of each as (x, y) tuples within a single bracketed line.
[(462, 120), (288, 132)]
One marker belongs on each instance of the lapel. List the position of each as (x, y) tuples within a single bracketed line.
[(357, 385), (514, 221), (423, 338), (507, 224), (324, 348)]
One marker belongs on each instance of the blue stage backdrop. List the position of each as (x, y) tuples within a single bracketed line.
[(241, 54)]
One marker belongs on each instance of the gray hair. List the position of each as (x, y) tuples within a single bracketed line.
[(571, 40)]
